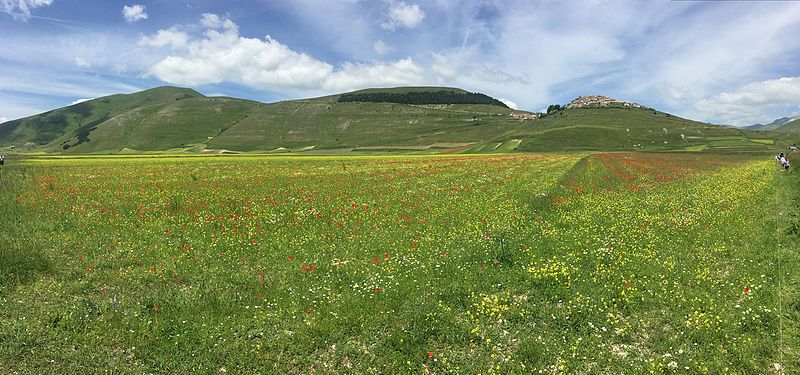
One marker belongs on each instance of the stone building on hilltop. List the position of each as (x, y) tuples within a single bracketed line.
[(600, 101)]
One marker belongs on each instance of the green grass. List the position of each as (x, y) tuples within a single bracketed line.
[(696, 148), (571, 263)]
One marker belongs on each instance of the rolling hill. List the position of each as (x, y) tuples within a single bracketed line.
[(792, 126), (405, 119), (773, 125)]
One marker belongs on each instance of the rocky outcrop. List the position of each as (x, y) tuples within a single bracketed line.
[(601, 101)]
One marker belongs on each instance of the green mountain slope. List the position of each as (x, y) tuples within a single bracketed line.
[(634, 129), (790, 127), (81, 118), (325, 123), (181, 120), (185, 123)]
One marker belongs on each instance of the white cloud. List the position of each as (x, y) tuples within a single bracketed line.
[(353, 76), (222, 55), (79, 101), (403, 15), (755, 102), (21, 9), (55, 83), (81, 62), (444, 67), (167, 37), (3, 119), (119, 68), (16, 106), (494, 74), (134, 13), (382, 48), (213, 21), (509, 103)]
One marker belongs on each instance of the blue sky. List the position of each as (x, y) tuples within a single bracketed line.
[(732, 62)]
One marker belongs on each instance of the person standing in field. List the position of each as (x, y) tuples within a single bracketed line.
[(2, 159), (783, 161)]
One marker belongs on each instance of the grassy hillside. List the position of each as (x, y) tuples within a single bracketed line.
[(80, 119), (790, 127), (634, 129), (324, 123), (181, 120), (163, 126)]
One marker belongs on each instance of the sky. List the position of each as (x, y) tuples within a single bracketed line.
[(723, 62)]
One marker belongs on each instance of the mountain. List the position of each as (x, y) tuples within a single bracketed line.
[(773, 125), (791, 126), (152, 119), (404, 119)]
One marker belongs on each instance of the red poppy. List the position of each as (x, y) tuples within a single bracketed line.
[(430, 354), (746, 290), (377, 260)]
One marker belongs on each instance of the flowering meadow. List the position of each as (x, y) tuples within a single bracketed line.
[(519, 263)]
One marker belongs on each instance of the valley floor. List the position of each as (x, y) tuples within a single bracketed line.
[(522, 263)]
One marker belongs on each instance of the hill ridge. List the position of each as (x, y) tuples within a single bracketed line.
[(174, 119)]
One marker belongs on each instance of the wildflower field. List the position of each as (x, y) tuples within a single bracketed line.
[(521, 263)]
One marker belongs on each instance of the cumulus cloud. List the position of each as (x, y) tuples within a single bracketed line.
[(222, 55), (213, 21), (382, 48), (79, 101), (81, 62), (166, 37), (755, 102), (119, 68), (134, 13), (21, 9), (444, 66), (351, 76), (509, 103), (403, 15)]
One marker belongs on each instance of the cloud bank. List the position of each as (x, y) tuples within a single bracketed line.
[(749, 104), (220, 54), (21, 9)]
